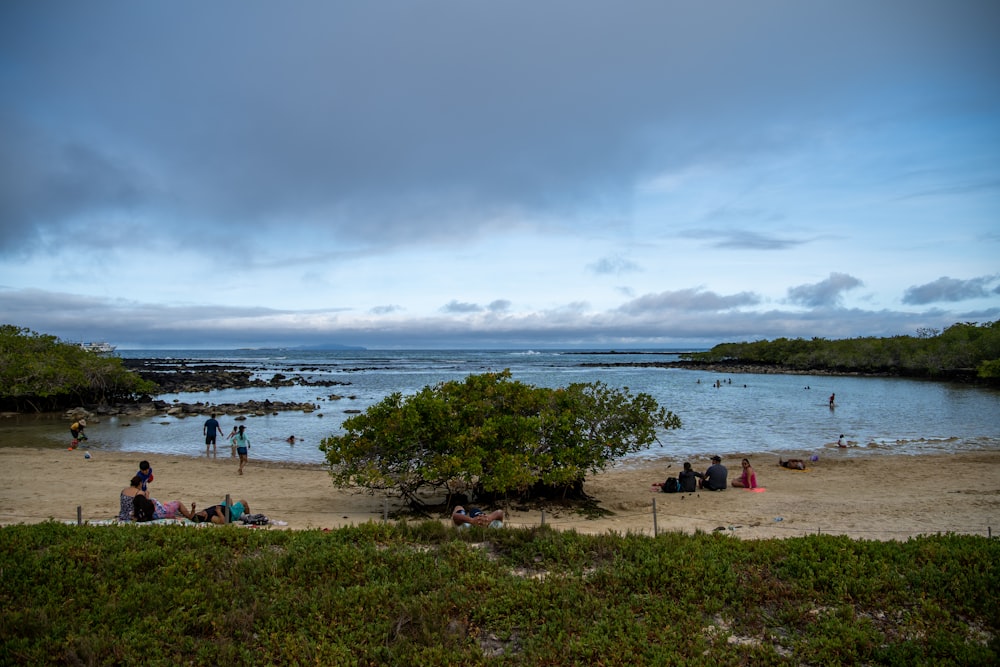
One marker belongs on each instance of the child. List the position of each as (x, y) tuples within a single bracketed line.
[(145, 473), (76, 430), (242, 444)]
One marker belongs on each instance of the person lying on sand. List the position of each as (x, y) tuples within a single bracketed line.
[(475, 517), (793, 464), (217, 513)]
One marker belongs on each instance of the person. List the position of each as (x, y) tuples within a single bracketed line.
[(126, 509), (840, 441), (232, 444), (217, 513), (290, 440), (210, 429), (145, 474), (476, 517), (832, 396), (792, 464), (714, 479), (242, 443), (747, 480), (142, 508), (76, 430), (688, 478), (170, 509)]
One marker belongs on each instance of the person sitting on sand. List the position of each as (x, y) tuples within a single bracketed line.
[(688, 478), (476, 517), (217, 513), (748, 479), (792, 464), (715, 477), (127, 500)]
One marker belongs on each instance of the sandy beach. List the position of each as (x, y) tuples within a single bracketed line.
[(867, 497)]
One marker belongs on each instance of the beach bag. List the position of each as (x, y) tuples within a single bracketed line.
[(254, 520), (143, 508), (672, 485)]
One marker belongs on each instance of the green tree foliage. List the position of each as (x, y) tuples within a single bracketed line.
[(38, 372), (960, 350), (492, 435)]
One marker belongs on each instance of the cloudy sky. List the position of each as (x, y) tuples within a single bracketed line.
[(464, 173)]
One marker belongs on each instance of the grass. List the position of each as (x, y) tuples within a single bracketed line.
[(422, 594)]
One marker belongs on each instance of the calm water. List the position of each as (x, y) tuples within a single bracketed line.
[(748, 413)]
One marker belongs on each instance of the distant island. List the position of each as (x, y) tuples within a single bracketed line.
[(323, 347)]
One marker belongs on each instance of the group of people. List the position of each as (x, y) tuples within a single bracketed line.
[(136, 504), (238, 440), (715, 478)]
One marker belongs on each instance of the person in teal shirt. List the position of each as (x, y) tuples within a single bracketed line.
[(242, 444)]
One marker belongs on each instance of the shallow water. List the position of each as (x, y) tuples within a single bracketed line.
[(747, 413)]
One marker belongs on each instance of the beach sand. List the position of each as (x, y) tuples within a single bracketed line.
[(877, 497)]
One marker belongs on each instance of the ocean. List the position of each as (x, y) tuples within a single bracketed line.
[(777, 415)]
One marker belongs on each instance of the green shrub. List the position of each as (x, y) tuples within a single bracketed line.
[(420, 594)]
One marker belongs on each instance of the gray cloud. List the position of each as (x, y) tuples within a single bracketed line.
[(461, 307), (742, 239), (614, 266), (827, 292), (695, 300), (947, 289), (499, 306), (391, 124), (150, 325)]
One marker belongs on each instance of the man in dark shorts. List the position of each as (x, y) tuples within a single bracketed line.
[(210, 430), (715, 477)]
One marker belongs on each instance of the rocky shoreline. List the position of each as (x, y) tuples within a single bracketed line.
[(181, 376)]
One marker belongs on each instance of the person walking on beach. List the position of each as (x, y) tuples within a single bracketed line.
[(232, 444), (210, 430), (242, 444)]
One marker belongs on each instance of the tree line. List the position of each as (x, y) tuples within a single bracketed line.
[(40, 373), (966, 350)]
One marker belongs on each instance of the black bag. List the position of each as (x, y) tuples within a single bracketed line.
[(671, 485), (254, 520)]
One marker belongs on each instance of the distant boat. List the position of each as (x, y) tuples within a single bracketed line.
[(100, 347)]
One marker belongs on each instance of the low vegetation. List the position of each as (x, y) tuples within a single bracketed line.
[(425, 594), (964, 350), (490, 436), (40, 373)]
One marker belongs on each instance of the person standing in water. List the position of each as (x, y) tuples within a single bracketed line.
[(210, 430), (832, 396), (242, 444)]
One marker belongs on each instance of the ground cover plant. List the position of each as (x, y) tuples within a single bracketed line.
[(427, 594)]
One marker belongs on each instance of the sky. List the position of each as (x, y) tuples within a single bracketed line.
[(521, 174)]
